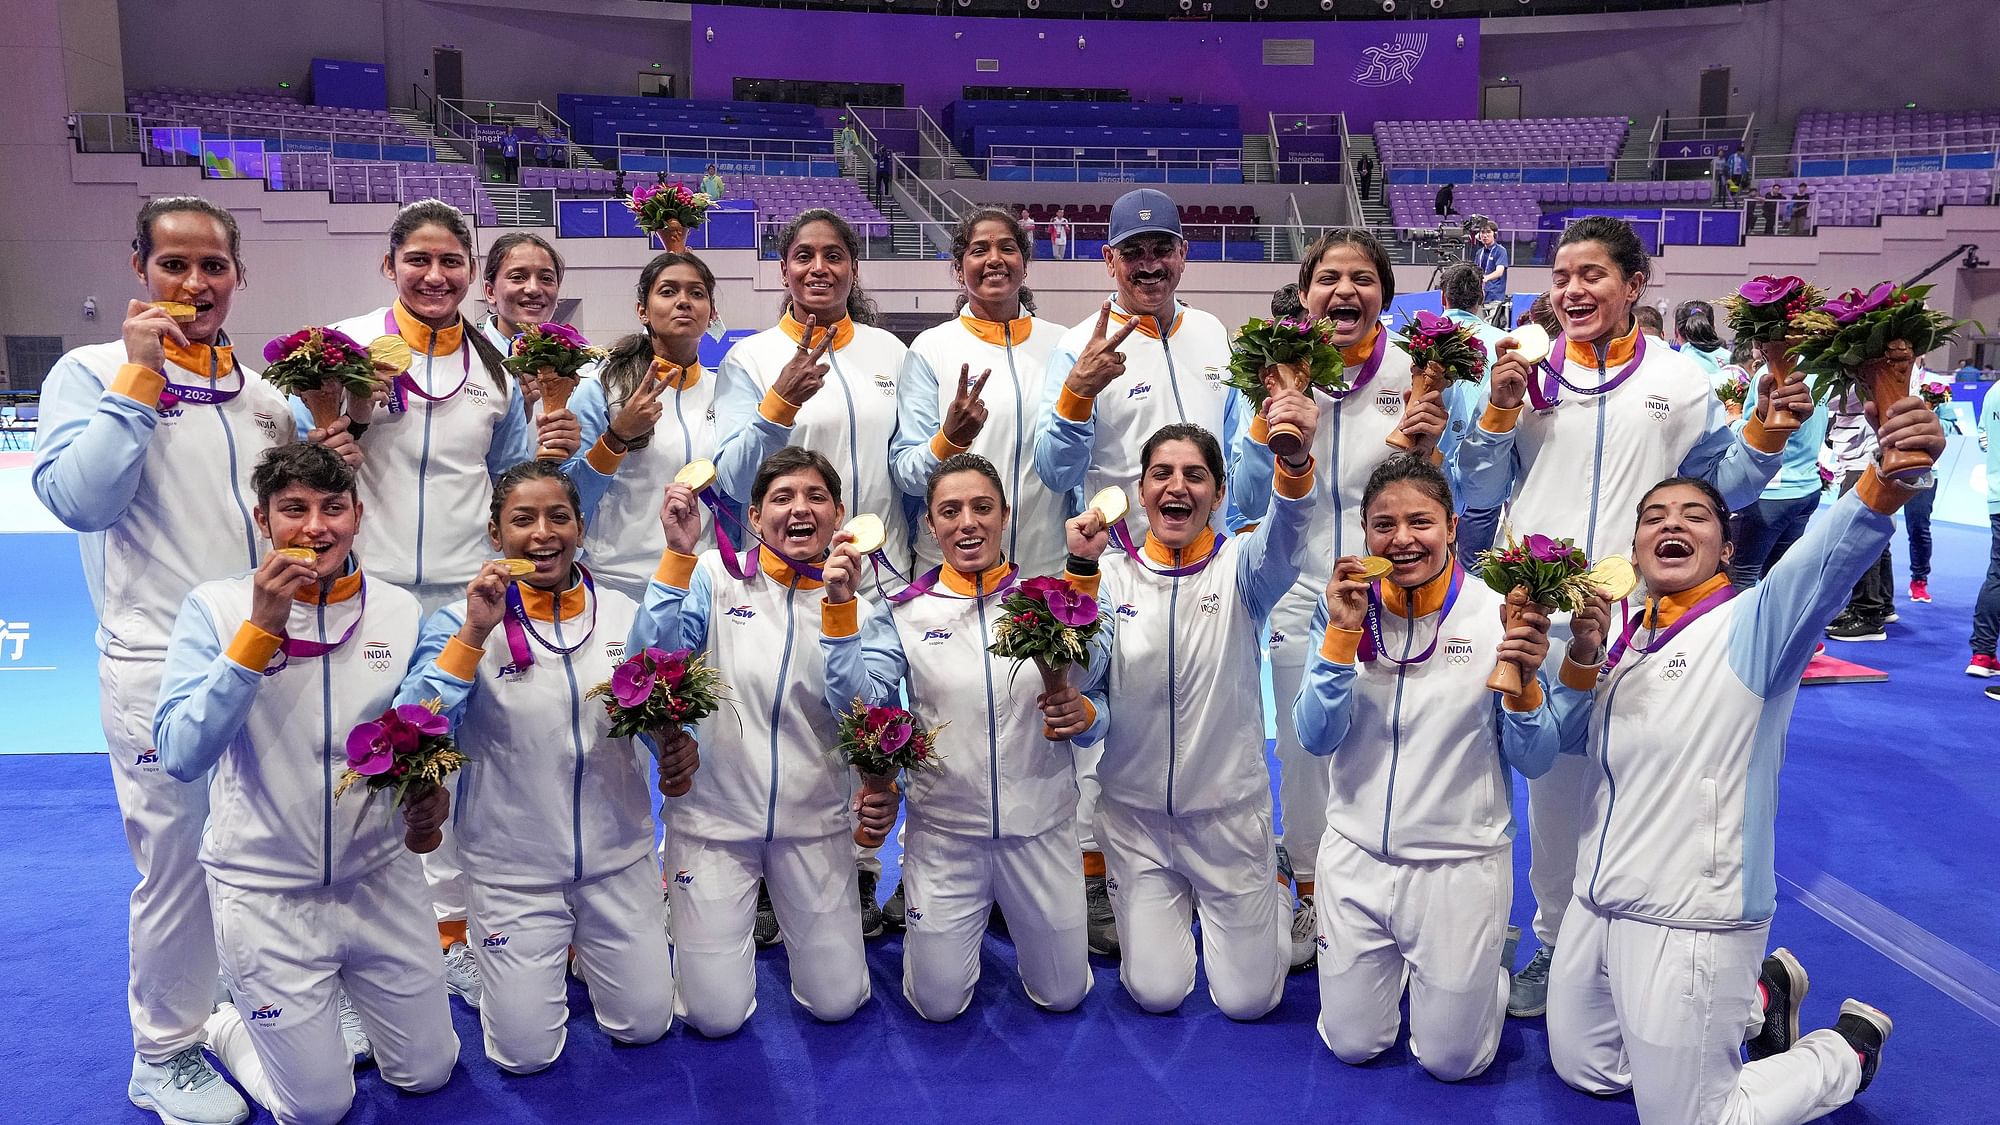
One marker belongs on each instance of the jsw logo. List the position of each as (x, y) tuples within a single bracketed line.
[(740, 612), (684, 877), (494, 941), (148, 758), (1140, 389), (1128, 610), (265, 1012), (937, 634)]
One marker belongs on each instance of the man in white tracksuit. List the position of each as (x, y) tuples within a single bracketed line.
[(145, 448), (1109, 388), (266, 675), (1682, 722)]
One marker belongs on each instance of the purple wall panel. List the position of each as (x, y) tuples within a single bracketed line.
[(1370, 71)]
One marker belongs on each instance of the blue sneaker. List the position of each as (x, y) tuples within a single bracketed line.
[(186, 1090), (1529, 995)]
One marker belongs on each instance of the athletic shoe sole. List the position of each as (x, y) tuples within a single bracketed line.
[(144, 1101), (1877, 635), (1982, 672), (1794, 1000)]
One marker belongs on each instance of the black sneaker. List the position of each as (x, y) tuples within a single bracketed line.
[(1993, 693), (893, 918), (1865, 1028), (766, 933), (1785, 984), (1855, 629), (1101, 923), (871, 911)]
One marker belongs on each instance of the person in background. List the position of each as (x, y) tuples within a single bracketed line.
[(1694, 333), (711, 183), (1872, 604), (1443, 204), (1285, 302), (1059, 236), (1739, 170), (885, 166), (510, 157), (1364, 176), (1460, 295), (1802, 223), (1027, 222), (1493, 261), (1760, 533), (1541, 314), (1651, 323), (523, 285), (1986, 610)]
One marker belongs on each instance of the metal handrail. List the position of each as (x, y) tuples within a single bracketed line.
[(136, 124), (1123, 153), (1347, 174), (696, 144), (900, 173), (1298, 227)]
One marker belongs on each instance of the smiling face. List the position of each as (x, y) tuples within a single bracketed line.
[(1147, 269), (967, 516), (798, 515), (1407, 526), (679, 306), (818, 273), (524, 290), (1592, 297), (432, 270), (1681, 542), (538, 523), (299, 515), (1346, 288), (1178, 491), (993, 267), (191, 264)]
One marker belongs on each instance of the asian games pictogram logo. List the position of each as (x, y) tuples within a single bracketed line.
[(1389, 63)]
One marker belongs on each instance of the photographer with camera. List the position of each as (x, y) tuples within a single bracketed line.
[(1492, 259)]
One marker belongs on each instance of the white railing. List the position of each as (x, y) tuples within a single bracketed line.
[(724, 148), (1296, 232), (940, 216), (1347, 177)]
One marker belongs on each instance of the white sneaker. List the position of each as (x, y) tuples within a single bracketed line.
[(461, 974), (352, 1033), (186, 1090), (1305, 932)]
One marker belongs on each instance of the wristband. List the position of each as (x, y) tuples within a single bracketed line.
[(1080, 566)]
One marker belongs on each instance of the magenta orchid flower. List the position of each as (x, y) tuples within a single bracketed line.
[(895, 736), (1769, 290), (1071, 608), (632, 682), (368, 751), (286, 345), (1853, 305), (1541, 548), (565, 333)]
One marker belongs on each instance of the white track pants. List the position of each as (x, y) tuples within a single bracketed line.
[(288, 953), (616, 923), (442, 870), (1086, 758), (1303, 779), (172, 983), (951, 883), (713, 886), (1162, 868), (1663, 1012), (1438, 925)]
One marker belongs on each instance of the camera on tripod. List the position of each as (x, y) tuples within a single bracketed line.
[(1448, 242)]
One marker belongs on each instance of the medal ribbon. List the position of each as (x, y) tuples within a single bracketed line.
[(520, 627), (1369, 367), (309, 650), (1123, 537), (1545, 392), (1371, 638), (404, 384), (1659, 640)]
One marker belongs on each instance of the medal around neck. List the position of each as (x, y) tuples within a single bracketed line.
[(868, 532), (1375, 567), (391, 353), (1111, 504), (697, 475), (1531, 343), (1613, 576)]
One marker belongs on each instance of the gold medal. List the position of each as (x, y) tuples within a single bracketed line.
[(182, 312), (1374, 567), (1111, 504), (390, 353), (868, 532), (1613, 577), (303, 554), (518, 568), (1531, 343), (697, 475)]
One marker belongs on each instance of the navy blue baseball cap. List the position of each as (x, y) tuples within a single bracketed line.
[(1145, 211)]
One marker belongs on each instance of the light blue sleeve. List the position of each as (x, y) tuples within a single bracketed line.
[(513, 437), (1725, 460), (1530, 740), (1236, 415), (1269, 563), (205, 696), (918, 411), (671, 618), (744, 436), (1461, 406), (1324, 706), (302, 419), (425, 680), (1772, 639), (1571, 709), (1096, 670), (90, 447), (593, 418), (1252, 468), (868, 666), (1100, 723), (1483, 465), (1062, 447)]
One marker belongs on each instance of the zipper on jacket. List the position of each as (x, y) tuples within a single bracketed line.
[(992, 714), (1597, 458), (853, 445), (1332, 475), (576, 742), (1173, 380), (424, 457), (1396, 718), (777, 706), (687, 436), (1173, 685), (1611, 792), (235, 481), (1020, 426), (326, 752)]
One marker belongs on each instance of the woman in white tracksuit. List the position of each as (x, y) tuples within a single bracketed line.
[(1346, 278), (1660, 976), (1419, 820), (1569, 448), (267, 673), (555, 818), (651, 404), (771, 801), (973, 384), (523, 286), (1185, 808), (996, 821)]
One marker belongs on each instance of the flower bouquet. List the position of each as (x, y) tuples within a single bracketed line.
[(1291, 353), (882, 742), (1734, 390), (1768, 310), (1540, 571), (550, 355), (407, 749), (1049, 622), (1869, 344), (670, 211), (1934, 394), (319, 365), (657, 692), (1441, 351)]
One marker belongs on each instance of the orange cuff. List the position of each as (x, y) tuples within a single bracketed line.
[(1074, 406), (1340, 645), (1294, 487), (840, 619), (1579, 677), (140, 384), (779, 409), (1437, 457), (676, 569), (1499, 419), (253, 648), (944, 448), (1260, 430), (450, 934), (602, 459), (1881, 494), (1092, 709), (1085, 584), (1529, 699), (1093, 865), (460, 659), (1760, 437)]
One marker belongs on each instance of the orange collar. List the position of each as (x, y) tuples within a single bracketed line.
[(1201, 548), (998, 333), (1620, 353), (1147, 325), (202, 359), (674, 375), (422, 338), (540, 604), (1360, 350), (343, 588), (972, 585), (843, 331), (1667, 609), (1429, 597), (779, 569)]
